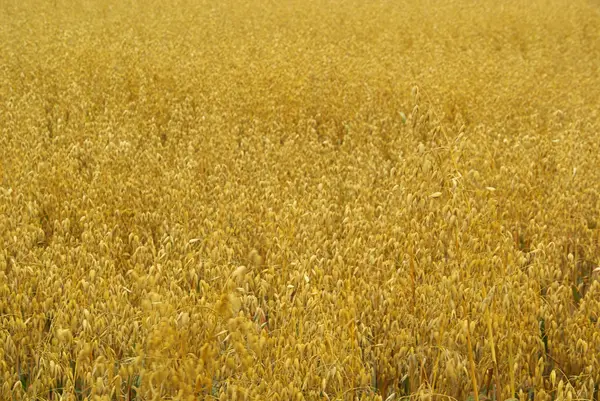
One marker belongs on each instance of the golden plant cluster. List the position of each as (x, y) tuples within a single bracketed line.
[(299, 200)]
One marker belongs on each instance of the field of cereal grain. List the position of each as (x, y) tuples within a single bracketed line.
[(299, 200)]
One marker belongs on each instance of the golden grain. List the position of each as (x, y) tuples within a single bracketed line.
[(299, 200)]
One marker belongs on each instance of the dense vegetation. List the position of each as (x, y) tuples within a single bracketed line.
[(299, 200)]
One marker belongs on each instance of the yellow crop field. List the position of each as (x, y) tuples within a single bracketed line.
[(300, 200)]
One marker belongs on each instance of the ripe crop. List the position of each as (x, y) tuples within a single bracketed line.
[(299, 200)]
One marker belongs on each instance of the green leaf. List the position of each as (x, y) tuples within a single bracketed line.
[(403, 117)]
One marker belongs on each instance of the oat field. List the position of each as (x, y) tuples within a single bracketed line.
[(300, 200)]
